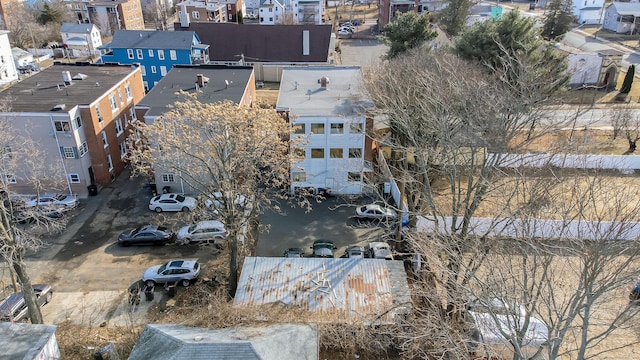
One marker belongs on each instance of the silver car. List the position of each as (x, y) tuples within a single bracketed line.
[(69, 201), (172, 202), (178, 271), (203, 231), (14, 308)]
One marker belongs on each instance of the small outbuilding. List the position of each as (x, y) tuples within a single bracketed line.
[(28, 341), (21, 58)]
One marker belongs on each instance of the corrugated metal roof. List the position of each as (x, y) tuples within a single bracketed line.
[(357, 287)]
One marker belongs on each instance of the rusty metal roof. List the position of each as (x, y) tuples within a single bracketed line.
[(357, 287)]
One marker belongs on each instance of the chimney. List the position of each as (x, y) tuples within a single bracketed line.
[(323, 82), (66, 77), (184, 16), (200, 80)]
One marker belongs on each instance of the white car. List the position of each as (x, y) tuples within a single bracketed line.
[(495, 317), (216, 200), (203, 231), (374, 211), (379, 250), (68, 201), (172, 202), (179, 271), (344, 33)]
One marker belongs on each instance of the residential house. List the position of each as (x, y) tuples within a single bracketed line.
[(588, 11), (599, 69), (333, 289), (326, 104), (268, 49), (155, 51), (387, 9), (21, 58), (211, 10), (109, 16), (621, 17), (271, 342), (29, 341), (8, 71), (212, 83), (83, 36), (271, 12), (79, 116), (307, 11)]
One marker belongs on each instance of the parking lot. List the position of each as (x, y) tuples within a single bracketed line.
[(90, 274)]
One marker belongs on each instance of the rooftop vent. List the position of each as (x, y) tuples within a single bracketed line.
[(202, 80), (59, 107), (66, 77), (79, 76), (323, 81)]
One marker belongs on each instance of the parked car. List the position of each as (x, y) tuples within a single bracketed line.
[(69, 201), (203, 231), (354, 252), (14, 308), (494, 317), (216, 200), (172, 202), (323, 248), (379, 250), (344, 33), (146, 235), (43, 213), (376, 212), (178, 271), (348, 29), (294, 253), (348, 24)]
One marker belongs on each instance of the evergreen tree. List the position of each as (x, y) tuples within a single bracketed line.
[(558, 19), (407, 31), (628, 80), (49, 14), (452, 19)]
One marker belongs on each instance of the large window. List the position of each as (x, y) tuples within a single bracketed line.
[(317, 153), (83, 149), (119, 128), (355, 153), (99, 113), (130, 53), (317, 128), (337, 129), (298, 176), (195, 15), (168, 178), (68, 152), (105, 143), (113, 102), (78, 122), (299, 128), (62, 125), (161, 54), (150, 52), (127, 90), (110, 162), (74, 178), (132, 114), (139, 53), (355, 128), (335, 153), (153, 69), (123, 149), (163, 70), (143, 70), (173, 55)]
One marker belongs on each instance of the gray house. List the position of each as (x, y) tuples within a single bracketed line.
[(621, 17), (274, 342), (28, 341)]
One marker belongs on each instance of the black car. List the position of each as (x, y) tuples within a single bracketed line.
[(354, 252), (146, 235), (323, 248), (294, 253), (14, 308)]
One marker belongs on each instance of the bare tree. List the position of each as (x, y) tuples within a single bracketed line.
[(159, 13), (221, 148)]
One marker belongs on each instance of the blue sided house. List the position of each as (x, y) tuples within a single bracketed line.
[(155, 51)]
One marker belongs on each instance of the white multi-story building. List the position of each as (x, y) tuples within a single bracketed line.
[(325, 105), (588, 11), (8, 71), (271, 12), (307, 11)]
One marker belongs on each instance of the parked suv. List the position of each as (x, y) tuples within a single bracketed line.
[(178, 271), (323, 248), (14, 308)]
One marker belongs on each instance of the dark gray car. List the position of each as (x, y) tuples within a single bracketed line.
[(146, 235), (354, 252), (294, 253), (14, 308), (323, 248)]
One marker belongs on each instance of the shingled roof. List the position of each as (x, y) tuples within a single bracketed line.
[(143, 39)]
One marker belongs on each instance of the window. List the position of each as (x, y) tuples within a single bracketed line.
[(335, 153), (167, 178), (123, 149), (161, 54), (68, 152), (132, 114), (11, 179), (354, 176), (173, 55), (195, 15), (99, 113), (119, 129), (130, 53), (114, 103), (120, 96), (337, 129), (299, 128), (78, 122), (110, 162), (150, 52), (299, 152), (298, 176), (7, 153), (153, 69), (143, 70), (127, 90), (74, 178), (355, 153), (83, 149), (163, 70), (146, 85), (104, 139), (62, 126), (317, 128), (317, 153), (139, 53), (355, 128)]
